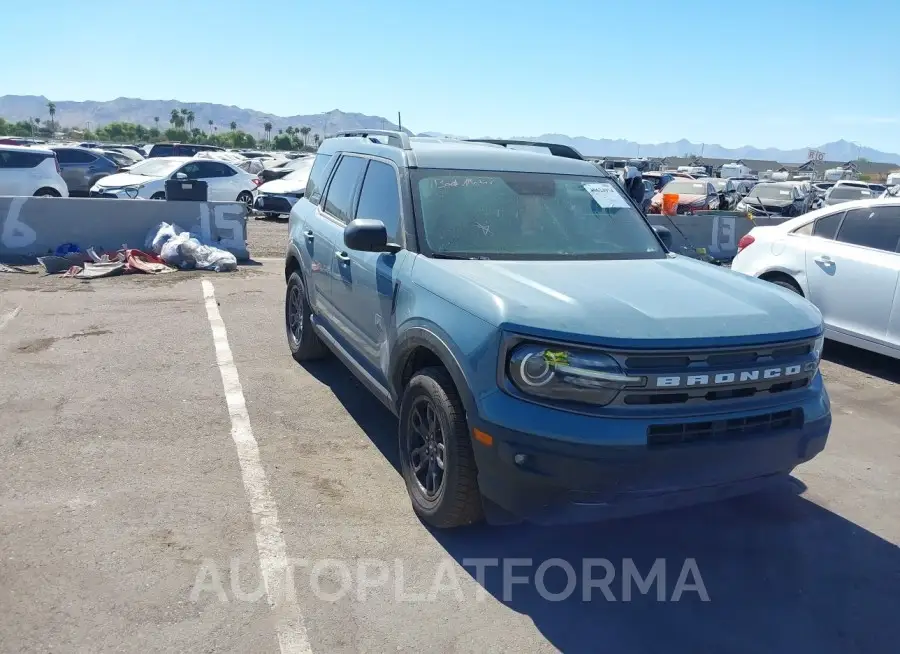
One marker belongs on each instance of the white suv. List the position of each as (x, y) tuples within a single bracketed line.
[(30, 171)]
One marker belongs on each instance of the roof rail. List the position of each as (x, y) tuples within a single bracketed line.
[(395, 137), (556, 149)]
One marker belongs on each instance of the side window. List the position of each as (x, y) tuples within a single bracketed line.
[(827, 227), (77, 157), (317, 178), (65, 156), (159, 150), (872, 227), (192, 170), (380, 197), (339, 201), (16, 159)]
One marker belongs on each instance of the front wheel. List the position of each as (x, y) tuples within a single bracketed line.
[(436, 457), (158, 196), (47, 193)]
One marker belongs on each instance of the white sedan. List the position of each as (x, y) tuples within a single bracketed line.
[(147, 179), (845, 259), (280, 195)]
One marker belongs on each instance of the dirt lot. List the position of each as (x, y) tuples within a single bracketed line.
[(161, 456)]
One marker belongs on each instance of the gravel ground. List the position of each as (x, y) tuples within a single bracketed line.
[(266, 238)]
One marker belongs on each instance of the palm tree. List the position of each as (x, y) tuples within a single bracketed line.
[(305, 132), (210, 124), (267, 126), (156, 120), (233, 125), (317, 139), (174, 117), (280, 131), (190, 120), (51, 109)]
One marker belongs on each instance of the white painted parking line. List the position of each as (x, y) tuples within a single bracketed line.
[(5, 320), (273, 562)]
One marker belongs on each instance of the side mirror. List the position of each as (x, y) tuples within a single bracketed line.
[(367, 235), (665, 235), (181, 176)]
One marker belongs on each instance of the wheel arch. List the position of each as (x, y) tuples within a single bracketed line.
[(782, 275), (421, 347)]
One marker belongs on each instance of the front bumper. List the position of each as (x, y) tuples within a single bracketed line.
[(274, 203), (564, 468)]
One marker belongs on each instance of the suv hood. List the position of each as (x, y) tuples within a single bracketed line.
[(671, 302)]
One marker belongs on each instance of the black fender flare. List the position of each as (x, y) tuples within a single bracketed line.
[(438, 344)]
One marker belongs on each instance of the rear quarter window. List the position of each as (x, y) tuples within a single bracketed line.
[(162, 151)]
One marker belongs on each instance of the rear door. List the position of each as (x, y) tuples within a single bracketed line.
[(853, 278), (19, 174), (209, 172), (324, 234)]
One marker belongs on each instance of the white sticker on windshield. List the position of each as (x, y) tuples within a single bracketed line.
[(606, 195), (785, 192)]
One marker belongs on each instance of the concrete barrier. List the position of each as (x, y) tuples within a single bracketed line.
[(715, 232), (33, 227)]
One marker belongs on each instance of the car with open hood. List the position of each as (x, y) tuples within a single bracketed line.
[(277, 197)]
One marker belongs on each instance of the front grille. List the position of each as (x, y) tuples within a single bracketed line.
[(660, 436), (97, 194), (714, 375)]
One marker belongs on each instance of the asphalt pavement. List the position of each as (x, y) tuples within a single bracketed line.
[(164, 462)]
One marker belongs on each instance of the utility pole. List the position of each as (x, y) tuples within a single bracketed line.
[(399, 124)]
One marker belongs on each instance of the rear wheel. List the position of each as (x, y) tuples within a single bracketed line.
[(303, 341), (246, 197), (158, 196), (47, 193), (788, 285), (436, 457)]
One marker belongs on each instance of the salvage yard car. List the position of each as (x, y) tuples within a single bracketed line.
[(278, 197), (845, 259), (775, 199), (547, 357), (147, 179), (693, 195)]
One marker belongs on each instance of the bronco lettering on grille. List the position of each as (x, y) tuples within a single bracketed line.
[(721, 378)]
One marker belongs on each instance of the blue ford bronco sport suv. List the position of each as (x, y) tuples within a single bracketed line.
[(547, 357)]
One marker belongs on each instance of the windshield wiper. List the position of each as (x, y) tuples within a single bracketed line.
[(447, 255)]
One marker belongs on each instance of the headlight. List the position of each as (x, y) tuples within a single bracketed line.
[(818, 346), (568, 375)]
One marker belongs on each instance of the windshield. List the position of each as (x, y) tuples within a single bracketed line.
[(303, 163), (850, 193), (505, 215), (719, 183), (685, 187), (771, 192), (156, 167)]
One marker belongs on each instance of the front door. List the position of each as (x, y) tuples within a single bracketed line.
[(364, 285), (853, 279)]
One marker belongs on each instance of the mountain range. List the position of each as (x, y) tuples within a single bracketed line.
[(135, 110)]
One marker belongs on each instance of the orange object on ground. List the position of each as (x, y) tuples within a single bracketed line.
[(670, 204)]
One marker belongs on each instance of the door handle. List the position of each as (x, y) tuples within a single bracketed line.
[(824, 259), (309, 235), (343, 257)]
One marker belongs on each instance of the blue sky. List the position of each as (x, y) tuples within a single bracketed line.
[(727, 72)]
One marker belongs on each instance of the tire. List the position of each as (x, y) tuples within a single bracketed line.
[(158, 196), (791, 286), (47, 193), (302, 339), (272, 216), (247, 198), (453, 499)]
